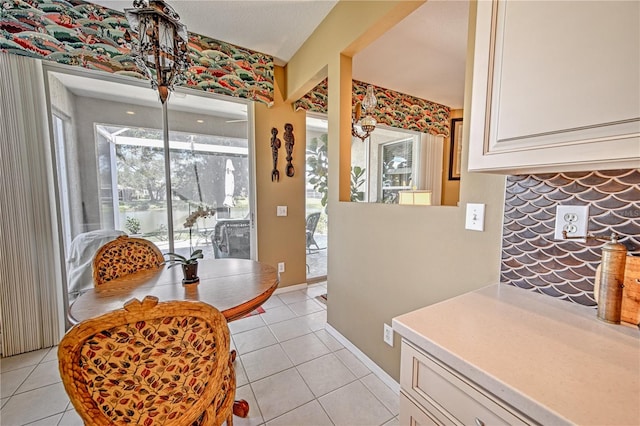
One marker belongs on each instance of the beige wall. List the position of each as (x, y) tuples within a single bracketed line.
[(387, 260), (347, 29), (281, 239), (450, 188), (278, 237)]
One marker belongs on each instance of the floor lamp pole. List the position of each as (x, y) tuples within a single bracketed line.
[(167, 173)]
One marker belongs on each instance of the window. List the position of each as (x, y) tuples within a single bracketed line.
[(206, 171), (397, 171), (59, 130), (387, 162)]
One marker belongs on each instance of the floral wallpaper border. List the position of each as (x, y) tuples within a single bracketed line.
[(74, 32), (395, 109)]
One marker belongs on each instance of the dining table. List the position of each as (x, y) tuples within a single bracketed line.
[(235, 287)]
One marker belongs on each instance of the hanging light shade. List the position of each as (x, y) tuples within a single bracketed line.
[(368, 122), (161, 51)]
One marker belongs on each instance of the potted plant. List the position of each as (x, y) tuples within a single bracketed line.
[(189, 265)]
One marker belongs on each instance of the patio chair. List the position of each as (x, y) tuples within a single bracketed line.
[(150, 363), (125, 256), (232, 239), (312, 224)]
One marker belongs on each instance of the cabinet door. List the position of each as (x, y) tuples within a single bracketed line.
[(556, 86)]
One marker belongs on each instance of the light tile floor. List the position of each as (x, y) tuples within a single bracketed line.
[(289, 369), (317, 258)]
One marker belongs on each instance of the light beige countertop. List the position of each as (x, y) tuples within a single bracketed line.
[(552, 360)]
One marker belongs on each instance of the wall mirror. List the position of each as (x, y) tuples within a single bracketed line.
[(434, 71), (393, 165)]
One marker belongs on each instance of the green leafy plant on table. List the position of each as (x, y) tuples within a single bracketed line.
[(189, 265), (178, 259)]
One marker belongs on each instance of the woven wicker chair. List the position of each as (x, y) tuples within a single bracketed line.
[(125, 256), (151, 364)]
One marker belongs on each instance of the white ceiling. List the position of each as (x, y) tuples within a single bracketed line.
[(277, 28), (423, 56)]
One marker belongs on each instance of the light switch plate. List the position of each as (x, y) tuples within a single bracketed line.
[(475, 217), (281, 211)]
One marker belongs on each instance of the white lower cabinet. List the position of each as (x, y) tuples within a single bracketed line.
[(414, 415), (434, 394)]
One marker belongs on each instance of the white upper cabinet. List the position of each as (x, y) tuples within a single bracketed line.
[(556, 86)]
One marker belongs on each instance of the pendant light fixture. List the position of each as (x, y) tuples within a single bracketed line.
[(161, 53), (367, 123)]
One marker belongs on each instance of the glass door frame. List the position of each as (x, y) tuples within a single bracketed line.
[(50, 67), (323, 251)]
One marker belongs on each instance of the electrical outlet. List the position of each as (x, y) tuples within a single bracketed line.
[(574, 220), (388, 335), (281, 267)]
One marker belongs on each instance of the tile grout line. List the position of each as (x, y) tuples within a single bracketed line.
[(277, 341), (50, 415), (16, 393), (376, 396), (256, 400)]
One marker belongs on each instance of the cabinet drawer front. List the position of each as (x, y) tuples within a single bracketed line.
[(430, 382), (413, 415)]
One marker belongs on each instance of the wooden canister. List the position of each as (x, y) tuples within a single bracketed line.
[(611, 281)]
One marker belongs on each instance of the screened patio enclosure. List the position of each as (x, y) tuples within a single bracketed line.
[(110, 163)]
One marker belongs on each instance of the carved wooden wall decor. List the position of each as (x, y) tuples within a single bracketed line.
[(289, 141), (275, 146)]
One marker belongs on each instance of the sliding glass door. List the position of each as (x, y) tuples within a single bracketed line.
[(111, 177), (209, 174), (316, 191)]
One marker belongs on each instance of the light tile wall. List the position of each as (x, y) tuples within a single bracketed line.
[(532, 259)]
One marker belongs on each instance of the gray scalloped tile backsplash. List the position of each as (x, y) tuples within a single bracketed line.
[(532, 259)]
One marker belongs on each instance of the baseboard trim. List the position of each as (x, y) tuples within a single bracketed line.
[(289, 288), (316, 280), (375, 369)]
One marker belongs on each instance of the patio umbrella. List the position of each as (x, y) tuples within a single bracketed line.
[(229, 184)]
